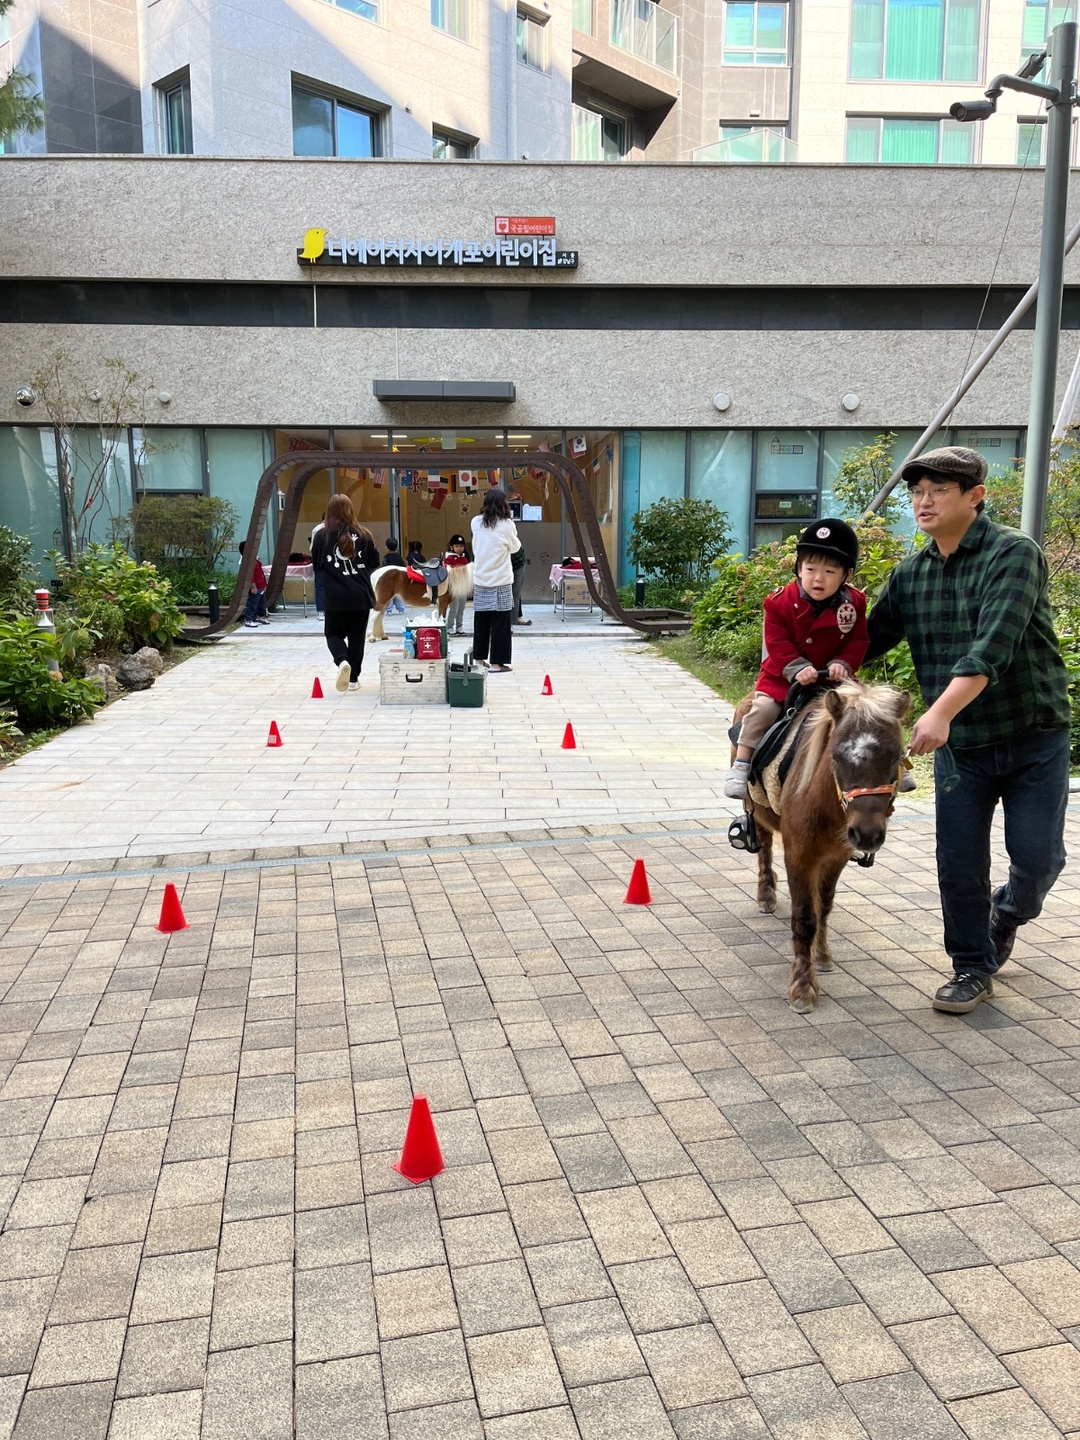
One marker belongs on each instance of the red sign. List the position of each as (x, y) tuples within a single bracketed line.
[(524, 224)]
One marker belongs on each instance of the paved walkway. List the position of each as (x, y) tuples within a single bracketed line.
[(670, 1206)]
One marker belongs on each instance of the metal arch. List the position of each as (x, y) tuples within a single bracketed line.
[(570, 478)]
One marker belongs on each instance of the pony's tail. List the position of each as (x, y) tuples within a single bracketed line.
[(460, 577)]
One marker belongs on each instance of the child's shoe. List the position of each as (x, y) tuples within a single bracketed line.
[(251, 624), (262, 619), (736, 783)]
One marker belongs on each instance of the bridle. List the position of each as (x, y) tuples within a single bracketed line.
[(847, 796)]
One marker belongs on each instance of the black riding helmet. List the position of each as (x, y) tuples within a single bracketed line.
[(831, 537)]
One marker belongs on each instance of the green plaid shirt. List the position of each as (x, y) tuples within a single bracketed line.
[(983, 610)]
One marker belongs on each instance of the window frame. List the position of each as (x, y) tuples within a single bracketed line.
[(177, 84), (955, 127), (448, 7), (606, 117), (452, 138), (754, 52), (347, 8), (881, 78), (529, 20), (357, 105)]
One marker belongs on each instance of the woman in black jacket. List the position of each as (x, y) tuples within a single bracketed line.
[(344, 554)]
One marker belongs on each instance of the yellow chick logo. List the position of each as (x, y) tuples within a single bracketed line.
[(314, 245)]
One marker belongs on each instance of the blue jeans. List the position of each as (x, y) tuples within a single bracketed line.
[(1030, 776), (319, 598), (256, 605)]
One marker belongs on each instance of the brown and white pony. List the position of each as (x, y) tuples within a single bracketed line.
[(391, 580), (835, 804)]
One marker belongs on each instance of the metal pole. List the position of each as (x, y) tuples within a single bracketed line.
[(1023, 306), (1068, 402), (1051, 279)]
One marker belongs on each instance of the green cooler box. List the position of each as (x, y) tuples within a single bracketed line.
[(465, 683)]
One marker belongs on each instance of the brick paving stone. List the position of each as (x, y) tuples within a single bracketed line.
[(24, 1305), (340, 1397), (514, 1371), (403, 1230), (894, 1288), (845, 1226), (933, 1242), (158, 1417), (799, 1268), (1052, 1378), (621, 1410), (71, 1354), (712, 1252), (67, 1412), (852, 1344), (1005, 1415), (544, 1212), (690, 1366), (756, 1327), (477, 1240), (623, 1226), (174, 1287), (336, 1235), (950, 1357), (593, 1343), (1000, 1233), (656, 1294), (567, 1272), (252, 1306), (168, 1356), (424, 1370), (1050, 1285), (249, 1394), (898, 1407), (335, 1312), (995, 1310), (590, 1162), (729, 1420), (415, 1302), (554, 1423), (493, 1297), (804, 1404)]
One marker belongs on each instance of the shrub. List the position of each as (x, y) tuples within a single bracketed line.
[(676, 541), (16, 574), (38, 696), (10, 734), (174, 531), (862, 471), (127, 603), (190, 581)]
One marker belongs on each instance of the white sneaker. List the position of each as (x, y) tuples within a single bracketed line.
[(736, 783), (342, 681), (354, 684), (251, 624)]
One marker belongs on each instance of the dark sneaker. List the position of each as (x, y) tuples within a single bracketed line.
[(1003, 930), (963, 993)]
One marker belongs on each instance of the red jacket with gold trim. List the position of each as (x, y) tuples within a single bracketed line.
[(794, 632)]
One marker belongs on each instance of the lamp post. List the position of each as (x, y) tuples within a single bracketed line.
[(1060, 97)]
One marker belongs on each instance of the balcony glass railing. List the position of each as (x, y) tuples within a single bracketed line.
[(583, 12), (643, 29), (756, 147)]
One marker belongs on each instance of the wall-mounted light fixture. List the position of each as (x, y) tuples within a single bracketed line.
[(851, 401), (164, 397), (721, 400)]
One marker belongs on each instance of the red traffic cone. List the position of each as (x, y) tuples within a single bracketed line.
[(172, 914), (638, 892), (316, 690), (568, 741), (273, 740), (546, 689), (421, 1157)]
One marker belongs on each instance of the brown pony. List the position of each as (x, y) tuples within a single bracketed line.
[(391, 580), (835, 804)]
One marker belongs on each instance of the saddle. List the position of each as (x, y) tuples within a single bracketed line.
[(432, 573)]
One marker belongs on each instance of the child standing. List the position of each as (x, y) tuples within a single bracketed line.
[(255, 609), (394, 556), (817, 622), (456, 556)]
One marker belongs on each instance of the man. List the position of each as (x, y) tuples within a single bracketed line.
[(974, 608)]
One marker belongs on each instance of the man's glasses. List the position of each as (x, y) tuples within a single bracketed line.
[(934, 492)]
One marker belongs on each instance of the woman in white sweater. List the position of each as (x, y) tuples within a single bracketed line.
[(494, 539)]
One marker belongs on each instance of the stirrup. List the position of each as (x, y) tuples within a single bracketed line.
[(742, 833)]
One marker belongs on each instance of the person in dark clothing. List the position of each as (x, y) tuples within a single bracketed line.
[(344, 553), (393, 556), (415, 555)]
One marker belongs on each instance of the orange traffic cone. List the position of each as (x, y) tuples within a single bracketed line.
[(172, 914), (421, 1157), (546, 689), (316, 690), (568, 741), (638, 892), (273, 740)]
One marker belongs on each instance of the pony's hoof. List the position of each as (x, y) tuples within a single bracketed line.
[(766, 907), (803, 1005), (825, 964)]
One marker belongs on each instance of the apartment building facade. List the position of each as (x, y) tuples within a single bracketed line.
[(735, 81)]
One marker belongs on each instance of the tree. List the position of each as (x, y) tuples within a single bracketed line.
[(21, 107), (1061, 541), (171, 529), (90, 420), (676, 541), (863, 470)]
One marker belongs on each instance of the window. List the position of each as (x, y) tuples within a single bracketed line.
[(755, 33), (445, 146), (756, 144), (451, 16), (1030, 143), (1039, 20), (364, 8), (645, 29), (884, 141), (596, 136), (915, 39), (583, 16), (531, 40), (176, 117), (325, 125)]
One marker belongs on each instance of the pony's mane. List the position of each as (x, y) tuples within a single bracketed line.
[(871, 708)]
